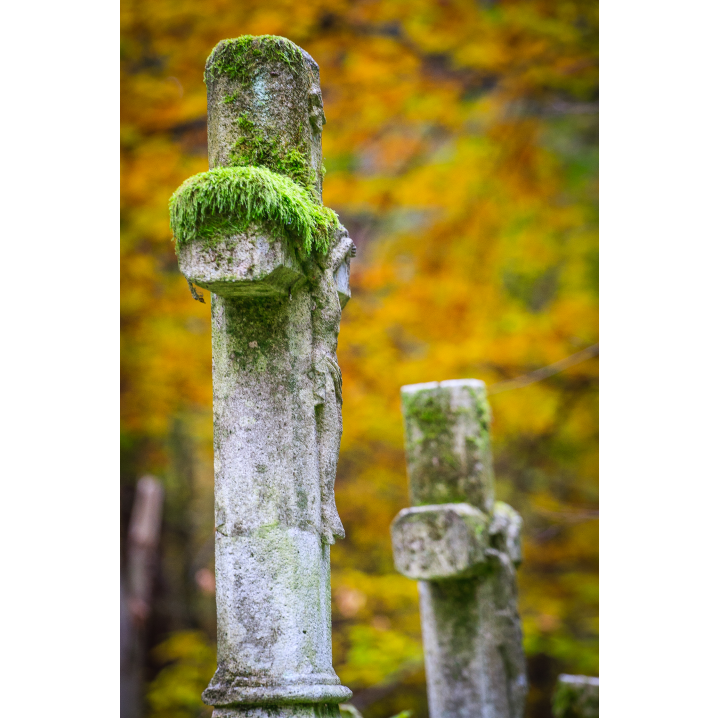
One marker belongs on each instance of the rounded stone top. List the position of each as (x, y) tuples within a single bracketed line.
[(447, 384), (578, 680), (237, 57), (265, 108)]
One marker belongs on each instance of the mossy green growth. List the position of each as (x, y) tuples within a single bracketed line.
[(229, 99), (227, 199), (484, 409), (442, 471), (238, 58), (430, 411), (254, 148)]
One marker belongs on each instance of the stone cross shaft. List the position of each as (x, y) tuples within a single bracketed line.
[(463, 548), (277, 397)]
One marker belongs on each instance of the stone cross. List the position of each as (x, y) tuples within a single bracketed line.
[(463, 548), (277, 394), (575, 697)]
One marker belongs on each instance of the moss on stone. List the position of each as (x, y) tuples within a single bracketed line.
[(226, 200), (431, 411), (267, 177), (442, 470), (256, 149), (229, 99), (239, 58), (483, 406)]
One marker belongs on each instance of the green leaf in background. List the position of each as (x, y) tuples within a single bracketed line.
[(176, 690)]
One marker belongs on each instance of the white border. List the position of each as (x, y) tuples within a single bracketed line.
[(60, 304), (658, 348)]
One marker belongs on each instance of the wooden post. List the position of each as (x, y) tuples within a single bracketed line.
[(136, 595)]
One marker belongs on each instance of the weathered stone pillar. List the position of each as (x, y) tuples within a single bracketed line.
[(575, 697), (463, 548), (253, 232)]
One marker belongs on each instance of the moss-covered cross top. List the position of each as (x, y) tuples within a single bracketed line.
[(268, 175)]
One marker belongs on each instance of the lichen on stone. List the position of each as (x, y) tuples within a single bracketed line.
[(431, 413), (483, 407), (225, 200)]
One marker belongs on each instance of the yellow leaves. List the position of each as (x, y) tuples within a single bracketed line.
[(377, 654), (532, 409), (175, 691), (381, 637), (379, 61), (473, 207)]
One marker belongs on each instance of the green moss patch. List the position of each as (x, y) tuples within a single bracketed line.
[(255, 148), (239, 58), (226, 200)]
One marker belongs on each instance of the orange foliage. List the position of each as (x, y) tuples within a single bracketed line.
[(461, 153)]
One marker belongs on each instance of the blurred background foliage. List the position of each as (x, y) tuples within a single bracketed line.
[(462, 153)]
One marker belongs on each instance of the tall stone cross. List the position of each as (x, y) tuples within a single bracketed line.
[(253, 232), (463, 548)]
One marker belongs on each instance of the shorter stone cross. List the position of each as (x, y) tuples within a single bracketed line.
[(576, 697), (463, 548)]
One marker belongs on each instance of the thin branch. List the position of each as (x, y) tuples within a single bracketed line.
[(544, 372)]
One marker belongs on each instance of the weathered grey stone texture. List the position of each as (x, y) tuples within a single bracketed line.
[(464, 549), (440, 541), (306, 710), (271, 490), (250, 264), (277, 416), (448, 450), (475, 666)]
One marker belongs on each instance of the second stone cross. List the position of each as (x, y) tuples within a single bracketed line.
[(463, 548), (253, 231)]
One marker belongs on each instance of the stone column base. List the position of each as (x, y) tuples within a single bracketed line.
[(300, 710)]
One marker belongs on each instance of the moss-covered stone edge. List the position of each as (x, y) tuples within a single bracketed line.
[(239, 57), (253, 147), (226, 200), (292, 207)]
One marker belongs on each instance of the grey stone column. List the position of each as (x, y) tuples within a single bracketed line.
[(463, 548), (277, 398)]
